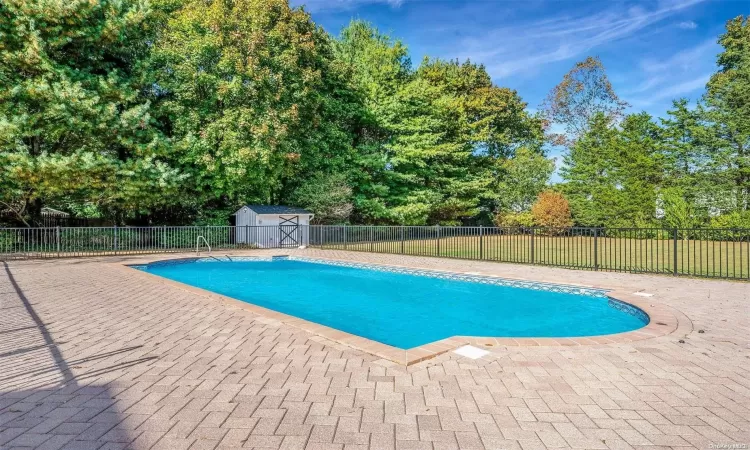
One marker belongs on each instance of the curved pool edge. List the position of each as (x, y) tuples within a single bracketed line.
[(662, 320)]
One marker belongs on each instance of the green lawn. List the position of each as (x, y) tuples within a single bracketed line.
[(700, 258), (637, 251)]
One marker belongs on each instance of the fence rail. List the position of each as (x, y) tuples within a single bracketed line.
[(720, 253)]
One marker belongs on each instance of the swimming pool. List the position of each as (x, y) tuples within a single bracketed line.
[(406, 308)]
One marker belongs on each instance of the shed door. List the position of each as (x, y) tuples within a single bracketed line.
[(289, 231)]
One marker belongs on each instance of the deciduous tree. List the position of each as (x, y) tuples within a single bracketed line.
[(551, 210), (252, 97), (521, 179), (584, 92), (329, 197)]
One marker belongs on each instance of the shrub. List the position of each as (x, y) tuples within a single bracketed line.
[(679, 212), (734, 219), (734, 226), (514, 219), (552, 210), (329, 197)]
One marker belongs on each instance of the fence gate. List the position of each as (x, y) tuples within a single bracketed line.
[(289, 231)]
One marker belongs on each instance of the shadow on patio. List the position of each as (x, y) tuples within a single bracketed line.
[(46, 399)]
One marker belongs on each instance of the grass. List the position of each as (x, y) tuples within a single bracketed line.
[(725, 259), (649, 251)]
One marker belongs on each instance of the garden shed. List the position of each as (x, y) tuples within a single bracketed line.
[(271, 226)]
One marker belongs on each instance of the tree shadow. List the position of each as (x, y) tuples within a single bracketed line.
[(46, 399)]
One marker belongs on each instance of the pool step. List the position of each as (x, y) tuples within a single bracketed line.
[(469, 351)]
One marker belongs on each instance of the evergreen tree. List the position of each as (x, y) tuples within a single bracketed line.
[(73, 125), (587, 171), (442, 134), (638, 168), (727, 110)]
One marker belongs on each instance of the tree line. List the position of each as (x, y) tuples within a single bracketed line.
[(180, 111), (689, 169)]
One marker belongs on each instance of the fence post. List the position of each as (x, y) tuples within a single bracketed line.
[(372, 239), (532, 245), (596, 249), (437, 228), (402, 239), (674, 251), (346, 241), (115, 239), (57, 238), (481, 241)]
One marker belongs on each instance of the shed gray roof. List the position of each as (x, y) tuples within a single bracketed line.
[(277, 209)]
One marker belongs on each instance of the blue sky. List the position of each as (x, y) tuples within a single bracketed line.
[(654, 51)]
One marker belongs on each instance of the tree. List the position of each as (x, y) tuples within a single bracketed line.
[(678, 212), (551, 210), (423, 170), (329, 197), (440, 134), (513, 219), (377, 66), (613, 173), (733, 220), (432, 170), (522, 178), (586, 171), (638, 168), (496, 116), (683, 131), (691, 167), (253, 98), (727, 101), (584, 92), (73, 125), (503, 136)]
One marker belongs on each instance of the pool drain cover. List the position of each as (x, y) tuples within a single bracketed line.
[(470, 351)]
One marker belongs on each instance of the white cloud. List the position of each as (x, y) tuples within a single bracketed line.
[(680, 89), (674, 76), (528, 46), (691, 88), (683, 60), (688, 25)]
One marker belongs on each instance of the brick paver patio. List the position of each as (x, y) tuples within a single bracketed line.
[(94, 355)]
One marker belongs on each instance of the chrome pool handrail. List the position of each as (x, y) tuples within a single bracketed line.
[(197, 245)]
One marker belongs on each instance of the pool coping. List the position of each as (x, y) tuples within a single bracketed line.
[(663, 320)]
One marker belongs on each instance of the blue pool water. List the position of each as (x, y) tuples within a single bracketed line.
[(403, 310)]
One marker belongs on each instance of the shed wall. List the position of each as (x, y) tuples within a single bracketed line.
[(264, 230)]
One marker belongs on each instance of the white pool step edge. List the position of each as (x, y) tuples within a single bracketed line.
[(469, 351)]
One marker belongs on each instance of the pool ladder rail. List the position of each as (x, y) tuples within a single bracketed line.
[(198, 243)]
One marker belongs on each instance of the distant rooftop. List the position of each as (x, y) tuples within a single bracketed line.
[(46, 211), (277, 209)]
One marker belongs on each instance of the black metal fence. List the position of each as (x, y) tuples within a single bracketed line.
[(720, 253)]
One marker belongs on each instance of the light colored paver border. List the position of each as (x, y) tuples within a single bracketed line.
[(663, 320)]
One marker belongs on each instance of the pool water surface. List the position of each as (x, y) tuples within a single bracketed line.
[(406, 310)]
